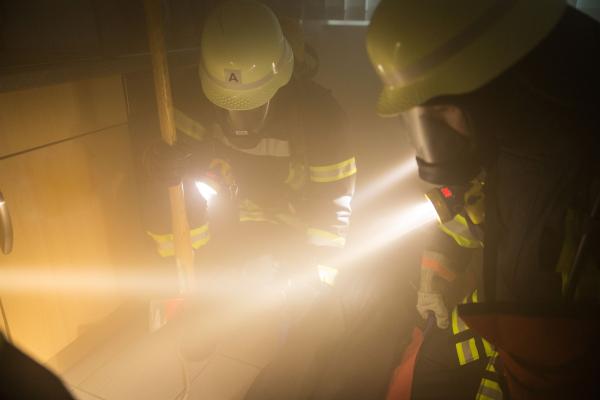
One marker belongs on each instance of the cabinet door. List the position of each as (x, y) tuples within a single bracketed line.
[(74, 211)]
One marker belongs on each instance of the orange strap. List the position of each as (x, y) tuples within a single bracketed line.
[(438, 268), (401, 385)]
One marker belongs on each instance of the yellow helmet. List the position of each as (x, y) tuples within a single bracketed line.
[(422, 49), (245, 58)]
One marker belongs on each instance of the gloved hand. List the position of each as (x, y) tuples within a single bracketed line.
[(166, 164), (434, 302)]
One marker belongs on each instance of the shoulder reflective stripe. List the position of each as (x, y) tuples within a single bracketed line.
[(474, 297), (489, 390), (270, 147), (189, 126), (489, 348), (320, 237), (467, 351), (333, 172)]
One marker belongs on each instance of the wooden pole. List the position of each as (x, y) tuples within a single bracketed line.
[(184, 253)]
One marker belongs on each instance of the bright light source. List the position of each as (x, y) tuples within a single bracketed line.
[(206, 191), (327, 274)]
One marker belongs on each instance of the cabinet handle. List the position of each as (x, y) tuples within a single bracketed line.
[(6, 230)]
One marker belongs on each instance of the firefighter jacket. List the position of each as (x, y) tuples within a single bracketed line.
[(300, 171)]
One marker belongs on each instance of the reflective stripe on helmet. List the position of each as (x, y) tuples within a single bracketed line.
[(239, 85), (453, 46), (333, 172)]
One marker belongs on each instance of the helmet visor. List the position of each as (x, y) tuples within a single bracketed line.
[(247, 122), (443, 144)]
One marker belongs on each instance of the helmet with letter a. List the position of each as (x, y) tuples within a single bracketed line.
[(245, 60)]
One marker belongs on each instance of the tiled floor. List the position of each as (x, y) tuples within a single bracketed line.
[(147, 367)]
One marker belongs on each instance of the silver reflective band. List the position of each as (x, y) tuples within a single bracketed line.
[(240, 86), (489, 390), (455, 44), (265, 147)]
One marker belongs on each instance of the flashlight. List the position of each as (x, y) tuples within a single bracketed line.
[(449, 201), (217, 180)]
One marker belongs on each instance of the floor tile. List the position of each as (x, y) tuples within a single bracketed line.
[(82, 395), (223, 379), (148, 369), (256, 341)]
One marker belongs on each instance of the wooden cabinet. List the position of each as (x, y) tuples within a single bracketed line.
[(66, 172)]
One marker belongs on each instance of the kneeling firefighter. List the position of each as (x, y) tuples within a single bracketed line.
[(257, 143), (510, 88)]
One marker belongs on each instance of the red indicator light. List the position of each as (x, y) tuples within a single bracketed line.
[(446, 192)]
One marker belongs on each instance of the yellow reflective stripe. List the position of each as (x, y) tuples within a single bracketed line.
[(467, 351), (333, 172), (474, 297), (189, 126), (291, 221), (489, 390), (200, 236), (458, 229), (166, 248), (489, 348), (161, 238), (458, 325), (320, 237), (259, 218)]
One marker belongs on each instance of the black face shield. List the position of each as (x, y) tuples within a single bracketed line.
[(445, 148)]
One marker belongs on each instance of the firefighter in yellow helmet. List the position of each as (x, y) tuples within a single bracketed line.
[(262, 152), (509, 88)]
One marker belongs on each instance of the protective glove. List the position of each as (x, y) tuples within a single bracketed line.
[(435, 278), (433, 302), (166, 164)]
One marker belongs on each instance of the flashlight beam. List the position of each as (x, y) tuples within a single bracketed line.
[(379, 186)]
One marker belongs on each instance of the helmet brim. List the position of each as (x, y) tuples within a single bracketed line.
[(480, 62)]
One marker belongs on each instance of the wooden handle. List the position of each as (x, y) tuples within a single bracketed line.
[(184, 252)]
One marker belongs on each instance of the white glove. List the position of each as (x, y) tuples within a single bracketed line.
[(434, 302)]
